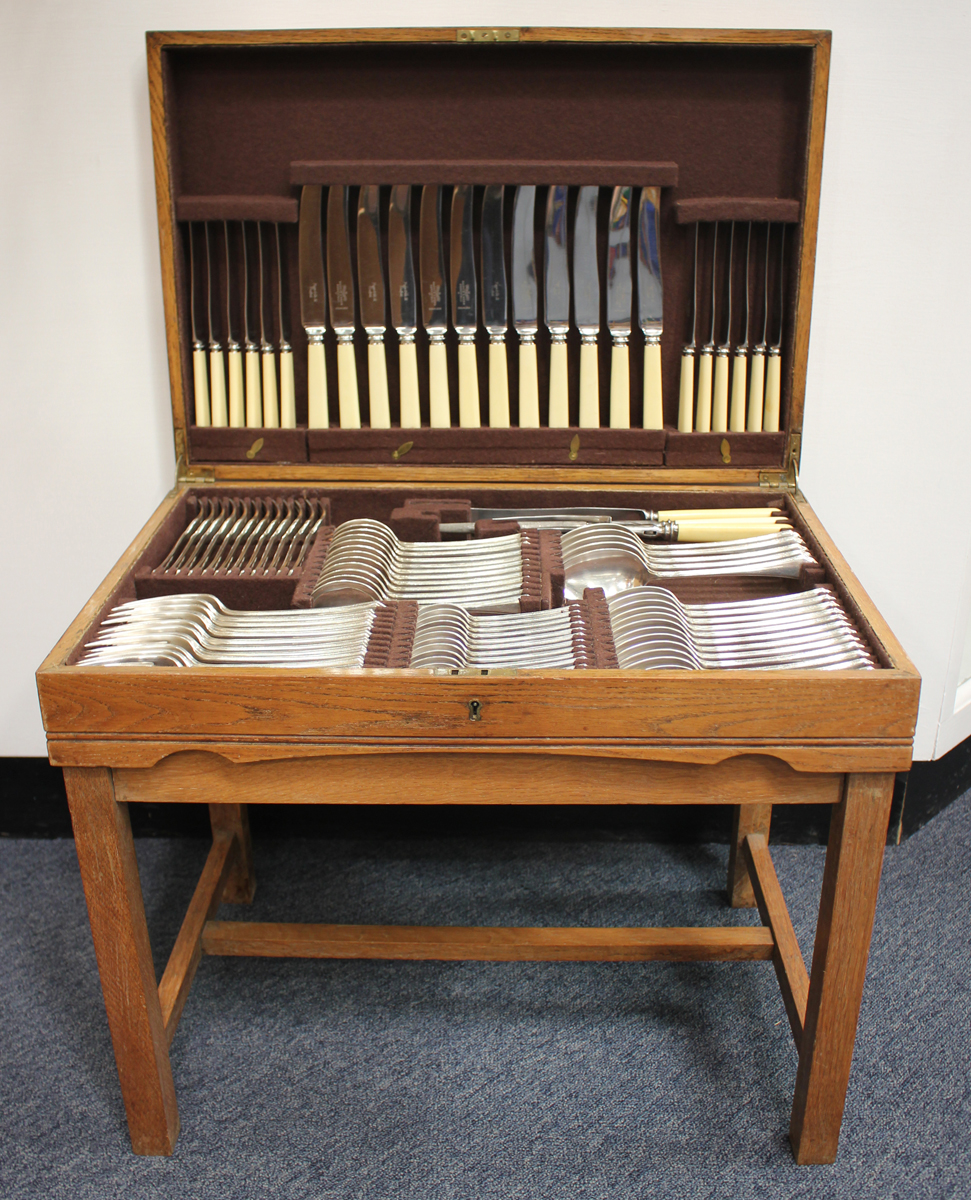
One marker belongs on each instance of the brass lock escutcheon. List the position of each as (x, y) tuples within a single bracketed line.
[(475, 710)]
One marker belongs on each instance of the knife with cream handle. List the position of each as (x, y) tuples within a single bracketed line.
[(773, 365), (217, 368), (271, 410), (525, 302), (686, 400), (200, 373), (313, 305), (707, 355), (494, 306), (586, 303), (370, 275), (434, 305), (719, 400), (464, 303), (340, 291), (234, 355), (288, 397), (557, 305), (756, 387), (650, 303), (736, 420), (404, 303), (619, 298)]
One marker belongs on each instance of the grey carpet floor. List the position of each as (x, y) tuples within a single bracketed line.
[(437, 1081)]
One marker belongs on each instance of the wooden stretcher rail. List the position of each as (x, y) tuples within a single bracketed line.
[(487, 944)]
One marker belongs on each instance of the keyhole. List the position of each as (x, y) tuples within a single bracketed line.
[(475, 710)]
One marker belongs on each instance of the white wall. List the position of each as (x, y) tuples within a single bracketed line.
[(85, 390)]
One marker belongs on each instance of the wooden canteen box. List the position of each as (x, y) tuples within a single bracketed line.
[(729, 126)]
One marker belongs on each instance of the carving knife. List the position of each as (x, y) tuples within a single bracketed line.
[(736, 420), (773, 364), (404, 303), (271, 411), (217, 370), (719, 402), (557, 305), (524, 302), (687, 396), (464, 316), (707, 355), (340, 291), (756, 387), (313, 305), (586, 303), (251, 352), (434, 308), (288, 398), (200, 374), (650, 303), (619, 294), (370, 274), (234, 355), (494, 306)]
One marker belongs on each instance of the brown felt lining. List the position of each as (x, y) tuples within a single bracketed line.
[(733, 118), (736, 208), (236, 208), (577, 172)]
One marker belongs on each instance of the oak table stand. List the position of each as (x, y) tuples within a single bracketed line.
[(822, 1008)]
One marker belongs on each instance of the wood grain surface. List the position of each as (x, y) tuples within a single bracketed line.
[(747, 818)]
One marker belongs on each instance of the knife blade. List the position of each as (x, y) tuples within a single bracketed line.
[(736, 420), (525, 300), (756, 385), (217, 370), (404, 303), (494, 304), (619, 296), (586, 303), (707, 354), (650, 303), (557, 296), (719, 400), (234, 353), (464, 315), (434, 306), (687, 396), (288, 399), (340, 293), (773, 363), (370, 275), (200, 373), (313, 304), (271, 406), (251, 351)]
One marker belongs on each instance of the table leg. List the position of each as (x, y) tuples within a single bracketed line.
[(109, 872), (851, 880), (229, 819), (748, 818)]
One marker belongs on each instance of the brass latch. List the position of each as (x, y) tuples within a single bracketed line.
[(186, 472), (487, 35), (787, 480)]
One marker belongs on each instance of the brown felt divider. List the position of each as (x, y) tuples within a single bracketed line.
[(224, 444), (236, 208), (312, 564), (510, 171), (736, 208), (596, 619), (725, 449)]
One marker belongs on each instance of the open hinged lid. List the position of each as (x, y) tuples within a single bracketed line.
[(727, 124)]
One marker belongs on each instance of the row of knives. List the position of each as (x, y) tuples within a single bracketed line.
[(332, 293)]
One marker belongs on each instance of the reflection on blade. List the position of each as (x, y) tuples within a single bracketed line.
[(649, 291), (401, 270), (557, 271), (586, 276), (619, 283), (524, 290)]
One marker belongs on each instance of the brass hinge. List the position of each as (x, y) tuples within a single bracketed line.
[(186, 472), (787, 480), (487, 35)]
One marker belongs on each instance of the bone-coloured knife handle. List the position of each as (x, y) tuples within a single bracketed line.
[(498, 386), (254, 394), (410, 415), (379, 409), (736, 421), (234, 369), (528, 386), (271, 408), (773, 391), (719, 398), (288, 395), (217, 388), (200, 382), (619, 386), (439, 411), (703, 408), (350, 407), (559, 415), (724, 531), (653, 398), (686, 401), (589, 386), (468, 386), (761, 513), (756, 389), (318, 416)]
